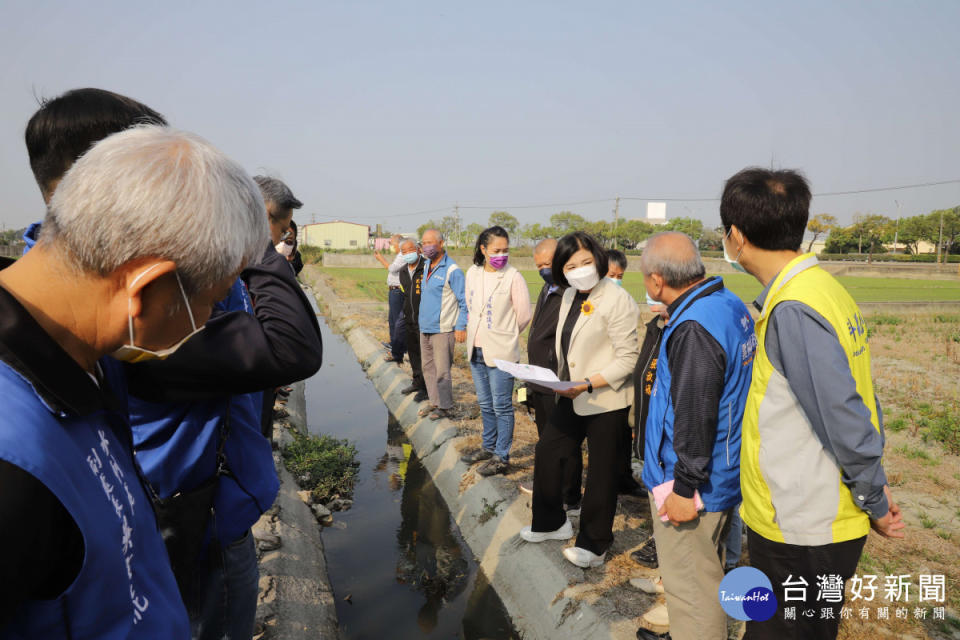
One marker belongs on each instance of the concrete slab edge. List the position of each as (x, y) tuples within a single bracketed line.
[(531, 579), (296, 598)]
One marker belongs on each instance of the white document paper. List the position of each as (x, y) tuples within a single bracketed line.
[(538, 375)]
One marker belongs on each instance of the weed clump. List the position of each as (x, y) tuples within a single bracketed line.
[(323, 465)]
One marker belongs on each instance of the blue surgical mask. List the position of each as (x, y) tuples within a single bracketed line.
[(411, 258), (547, 274), (651, 301), (615, 281), (733, 262)]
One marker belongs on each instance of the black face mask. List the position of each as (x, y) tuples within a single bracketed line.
[(547, 274)]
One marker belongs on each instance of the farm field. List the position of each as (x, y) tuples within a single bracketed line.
[(368, 283)]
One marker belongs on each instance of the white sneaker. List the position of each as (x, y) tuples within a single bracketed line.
[(583, 558), (572, 509), (657, 616), (563, 533), (647, 585)]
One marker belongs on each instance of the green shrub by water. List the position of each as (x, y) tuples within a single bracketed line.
[(323, 465)]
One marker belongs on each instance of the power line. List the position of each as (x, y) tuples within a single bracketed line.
[(635, 198), (817, 195), (536, 206), (905, 186)]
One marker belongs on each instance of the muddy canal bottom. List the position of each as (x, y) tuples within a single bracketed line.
[(398, 565)]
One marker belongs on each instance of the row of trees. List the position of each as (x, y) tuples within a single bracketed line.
[(625, 234), (870, 232)]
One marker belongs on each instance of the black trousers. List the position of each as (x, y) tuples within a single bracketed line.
[(625, 479), (544, 405), (559, 444), (413, 352), (780, 562)]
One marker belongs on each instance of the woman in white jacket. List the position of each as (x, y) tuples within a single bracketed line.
[(597, 346), (498, 309)]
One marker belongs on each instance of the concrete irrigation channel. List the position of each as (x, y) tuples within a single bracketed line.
[(532, 581)]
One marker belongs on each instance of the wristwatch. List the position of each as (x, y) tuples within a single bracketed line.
[(589, 385)]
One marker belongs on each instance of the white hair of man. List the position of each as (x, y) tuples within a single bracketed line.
[(675, 257), (155, 191)]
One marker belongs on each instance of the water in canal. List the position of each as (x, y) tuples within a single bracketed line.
[(396, 552)]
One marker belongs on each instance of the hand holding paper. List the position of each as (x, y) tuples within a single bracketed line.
[(538, 375)]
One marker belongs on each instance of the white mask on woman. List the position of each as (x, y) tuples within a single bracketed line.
[(583, 278)]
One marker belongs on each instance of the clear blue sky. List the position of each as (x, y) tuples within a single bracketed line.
[(374, 109)]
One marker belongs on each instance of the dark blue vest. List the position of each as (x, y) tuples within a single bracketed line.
[(125, 588), (726, 318), (176, 446)]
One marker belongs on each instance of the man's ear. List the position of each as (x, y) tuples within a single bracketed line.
[(140, 276), (739, 240)]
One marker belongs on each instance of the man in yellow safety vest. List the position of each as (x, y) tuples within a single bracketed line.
[(811, 470)]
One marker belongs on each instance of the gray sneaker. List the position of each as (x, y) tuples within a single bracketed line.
[(477, 456), (493, 466)]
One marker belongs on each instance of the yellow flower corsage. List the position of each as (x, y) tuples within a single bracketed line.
[(587, 308)]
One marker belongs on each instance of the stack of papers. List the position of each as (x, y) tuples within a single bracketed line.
[(537, 375)]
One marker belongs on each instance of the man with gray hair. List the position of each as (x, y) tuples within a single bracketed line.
[(123, 266), (280, 204), (692, 441), (443, 321)]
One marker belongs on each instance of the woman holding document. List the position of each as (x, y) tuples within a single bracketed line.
[(597, 347), (498, 309)]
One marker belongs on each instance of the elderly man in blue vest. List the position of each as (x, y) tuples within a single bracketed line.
[(692, 448), (123, 266)]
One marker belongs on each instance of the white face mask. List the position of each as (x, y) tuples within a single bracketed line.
[(132, 353), (284, 249), (732, 261), (583, 278), (651, 302)]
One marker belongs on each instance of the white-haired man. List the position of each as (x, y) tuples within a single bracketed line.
[(124, 266)]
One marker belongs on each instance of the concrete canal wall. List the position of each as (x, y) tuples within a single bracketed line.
[(296, 599)]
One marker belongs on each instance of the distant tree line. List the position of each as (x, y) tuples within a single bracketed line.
[(624, 234), (870, 232)]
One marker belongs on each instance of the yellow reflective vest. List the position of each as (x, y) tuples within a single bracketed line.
[(792, 487)]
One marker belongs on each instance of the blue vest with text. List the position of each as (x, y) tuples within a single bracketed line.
[(176, 446), (727, 320), (125, 587)]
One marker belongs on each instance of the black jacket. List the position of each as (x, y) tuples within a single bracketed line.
[(643, 378), (238, 352), (411, 294), (541, 347)]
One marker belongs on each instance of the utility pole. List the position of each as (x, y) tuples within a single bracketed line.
[(456, 217), (940, 241), (616, 220), (896, 234)]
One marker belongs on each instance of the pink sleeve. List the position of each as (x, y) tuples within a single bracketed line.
[(520, 296)]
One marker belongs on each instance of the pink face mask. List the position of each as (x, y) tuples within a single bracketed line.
[(499, 261)]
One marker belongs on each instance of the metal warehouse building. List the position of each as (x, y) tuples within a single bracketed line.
[(335, 235)]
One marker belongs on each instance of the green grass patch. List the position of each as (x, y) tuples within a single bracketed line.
[(915, 453), (324, 465), (947, 318), (881, 319), (927, 521), (941, 425), (896, 425)]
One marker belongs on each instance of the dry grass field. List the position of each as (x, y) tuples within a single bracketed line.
[(916, 364)]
